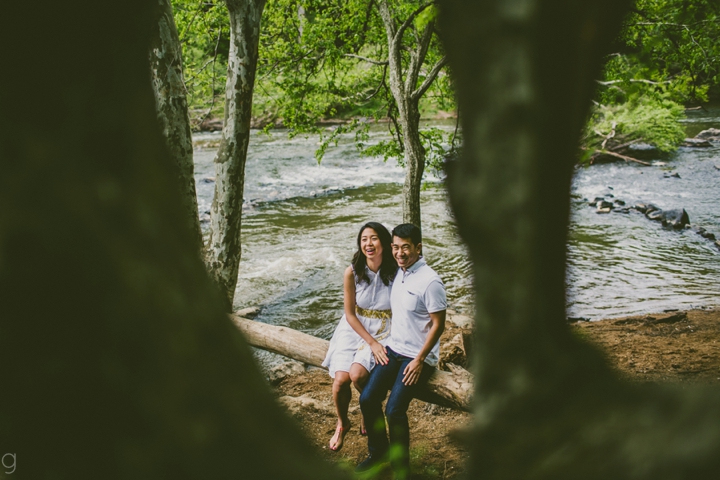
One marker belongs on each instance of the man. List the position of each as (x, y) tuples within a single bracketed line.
[(418, 319)]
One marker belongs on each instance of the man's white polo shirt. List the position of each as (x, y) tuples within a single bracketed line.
[(416, 293)]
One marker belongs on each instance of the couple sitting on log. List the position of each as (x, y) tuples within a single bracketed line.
[(387, 339)]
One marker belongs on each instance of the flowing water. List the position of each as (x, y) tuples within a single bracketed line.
[(301, 219)]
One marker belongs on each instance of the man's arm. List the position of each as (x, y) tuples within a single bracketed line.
[(414, 368)]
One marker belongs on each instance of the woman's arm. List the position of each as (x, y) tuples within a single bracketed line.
[(349, 303)]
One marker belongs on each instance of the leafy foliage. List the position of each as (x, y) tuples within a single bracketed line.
[(645, 119), (677, 41), (204, 31), (667, 55), (328, 58)]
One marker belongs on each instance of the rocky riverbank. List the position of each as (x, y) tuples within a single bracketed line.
[(668, 347)]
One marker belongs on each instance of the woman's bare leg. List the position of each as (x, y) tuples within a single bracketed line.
[(341, 398), (359, 377)]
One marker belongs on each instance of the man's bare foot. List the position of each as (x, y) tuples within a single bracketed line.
[(336, 442)]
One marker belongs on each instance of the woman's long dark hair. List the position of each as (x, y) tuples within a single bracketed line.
[(388, 268)]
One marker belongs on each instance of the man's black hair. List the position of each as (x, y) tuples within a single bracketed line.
[(408, 230)]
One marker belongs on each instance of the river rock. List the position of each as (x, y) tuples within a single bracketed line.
[(596, 200), (296, 405), (285, 369), (676, 218), (696, 143), (460, 320), (577, 319), (702, 232), (711, 134), (645, 207), (211, 125), (654, 214)]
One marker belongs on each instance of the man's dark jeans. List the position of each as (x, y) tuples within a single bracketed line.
[(384, 378)]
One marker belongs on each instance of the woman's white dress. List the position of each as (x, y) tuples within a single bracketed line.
[(372, 302)]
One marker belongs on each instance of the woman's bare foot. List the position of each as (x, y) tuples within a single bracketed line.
[(336, 442), (363, 431)]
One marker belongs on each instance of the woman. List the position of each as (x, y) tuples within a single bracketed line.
[(358, 343)]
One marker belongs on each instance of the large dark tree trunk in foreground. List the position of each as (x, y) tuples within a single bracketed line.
[(166, 69), (119, 361), (223, 249), (547, 406)]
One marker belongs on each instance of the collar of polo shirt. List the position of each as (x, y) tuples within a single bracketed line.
[(420, 262)]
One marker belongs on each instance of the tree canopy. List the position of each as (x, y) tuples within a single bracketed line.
[(666, 56)]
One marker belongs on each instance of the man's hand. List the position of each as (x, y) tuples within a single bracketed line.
[(379, 352), (412, 372)]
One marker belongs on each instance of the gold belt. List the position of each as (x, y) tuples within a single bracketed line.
[(379, 314), (383, 315)]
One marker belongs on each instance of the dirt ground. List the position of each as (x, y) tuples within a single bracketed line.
[(667, 347)]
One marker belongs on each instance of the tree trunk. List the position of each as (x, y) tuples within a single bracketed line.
[(547, 406), (403, 90), (223, 249), (166, 67), (414, 161), (118, 358)]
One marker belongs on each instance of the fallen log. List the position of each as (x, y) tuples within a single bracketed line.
[(449, 389), (283, 340)]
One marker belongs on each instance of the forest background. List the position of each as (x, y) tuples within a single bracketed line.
[(321, 62)]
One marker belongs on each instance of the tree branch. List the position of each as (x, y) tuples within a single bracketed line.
[(417, 58), (382, 82), (632, 80), (429, 79), (394, 58), (622, 157), (369, 60), (409, 20)]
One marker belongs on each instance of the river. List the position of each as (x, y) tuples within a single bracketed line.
[(301, 219)]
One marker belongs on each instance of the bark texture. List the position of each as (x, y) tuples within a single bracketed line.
[(223, 249), (166, 68), (119, 361), (406, 90), (547, 406)]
